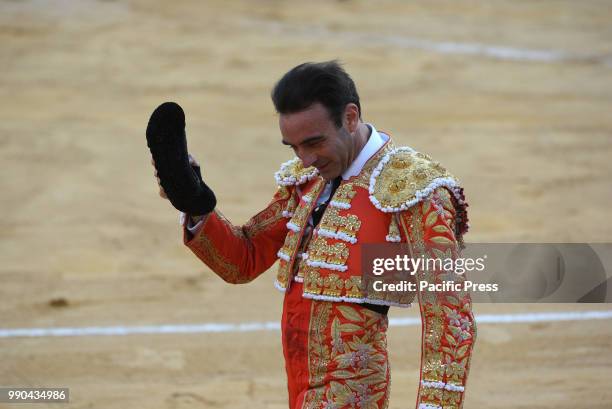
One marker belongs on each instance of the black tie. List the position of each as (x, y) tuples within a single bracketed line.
[(320, 209)]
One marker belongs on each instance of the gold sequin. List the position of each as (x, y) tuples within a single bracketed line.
[(363, 179), (292, 240), (393, 228), (347, 357), (401, 163), (336, 223), (344, 194), (403, 176), (322, 251)]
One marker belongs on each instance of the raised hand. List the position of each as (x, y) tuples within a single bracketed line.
[(179, 181)]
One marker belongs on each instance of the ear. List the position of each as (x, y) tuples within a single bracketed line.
[(351, 117)]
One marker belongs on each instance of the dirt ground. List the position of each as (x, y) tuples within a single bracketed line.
[(513, 97)]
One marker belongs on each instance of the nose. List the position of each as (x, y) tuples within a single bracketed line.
[(307, 158)]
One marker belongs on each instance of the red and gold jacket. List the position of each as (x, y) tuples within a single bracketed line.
[(399, 196)]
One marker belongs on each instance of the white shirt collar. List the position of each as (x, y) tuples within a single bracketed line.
[(375, 142)]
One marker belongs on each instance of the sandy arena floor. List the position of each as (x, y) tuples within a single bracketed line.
[(513, 97)]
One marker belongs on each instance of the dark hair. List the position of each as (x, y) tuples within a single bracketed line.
[(308, 83)]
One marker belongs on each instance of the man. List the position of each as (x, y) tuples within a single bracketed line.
[(347, 186)]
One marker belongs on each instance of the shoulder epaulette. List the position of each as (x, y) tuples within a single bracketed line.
[(293, 172), (404, 177)]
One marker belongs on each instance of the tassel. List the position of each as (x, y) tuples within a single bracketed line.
[(394, 232)]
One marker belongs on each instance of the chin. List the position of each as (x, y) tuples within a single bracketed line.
[(328, 176), (328, 172)]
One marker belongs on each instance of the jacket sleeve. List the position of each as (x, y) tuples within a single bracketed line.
[(448, 326), (239, 254)]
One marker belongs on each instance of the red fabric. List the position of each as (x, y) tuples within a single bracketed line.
[(239, 254), (335, 353), (295, 331)]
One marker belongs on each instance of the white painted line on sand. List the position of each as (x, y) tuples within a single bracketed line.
[(275, 326), (316, 33)]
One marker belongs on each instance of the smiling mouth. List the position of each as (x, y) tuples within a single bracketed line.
[(320, 168)]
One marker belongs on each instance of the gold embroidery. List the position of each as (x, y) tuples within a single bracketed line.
[(283, 193), (264, 219), (300, 218), (313, 283), (415, 229), (327, 250), (314, 398), (452, 399), (282, 277), (318, 351), (236, 231), (405, 174), (302, 267), (393, 229), (433, 367), (443, 198), (344, 194), (435, 326), (223, 268), (293, 172), (334, 222), (448, 330), (431, 395), (363, 179), (347, 357), (290, 242), (301, 215), (353, 287), (333, 285), (319, 250), (292, 202)]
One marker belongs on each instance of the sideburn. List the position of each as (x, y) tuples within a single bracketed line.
[(351, 145)]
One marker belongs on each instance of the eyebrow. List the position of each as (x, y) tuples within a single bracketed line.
[(306, 141)]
